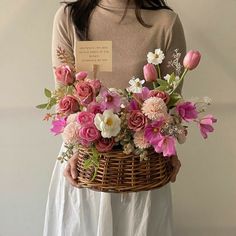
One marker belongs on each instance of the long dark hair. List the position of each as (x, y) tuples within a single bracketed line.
[(80, 11)]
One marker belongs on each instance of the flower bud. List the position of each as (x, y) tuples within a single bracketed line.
[(192, 59), (150, 72), (81, 75)]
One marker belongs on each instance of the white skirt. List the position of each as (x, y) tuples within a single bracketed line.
[(74, 211)]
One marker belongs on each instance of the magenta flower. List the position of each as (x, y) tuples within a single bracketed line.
[(151, 131), (110, 100), (165, 144), (187, 111), (85, 118), (205, 125), (58, 126)]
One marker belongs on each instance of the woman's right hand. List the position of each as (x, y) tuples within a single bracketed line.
[(71, 172)]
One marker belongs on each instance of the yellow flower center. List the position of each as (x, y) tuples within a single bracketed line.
[(109, 122)]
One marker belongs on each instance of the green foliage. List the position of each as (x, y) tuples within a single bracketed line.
[(174, 98)]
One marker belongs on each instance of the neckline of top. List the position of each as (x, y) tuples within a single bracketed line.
[(116, 4)]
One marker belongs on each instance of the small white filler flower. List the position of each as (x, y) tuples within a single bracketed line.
[(155, 58), (108, 123), (136, 85)]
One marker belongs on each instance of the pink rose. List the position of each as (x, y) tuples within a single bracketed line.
[(95, 84), (105, 144), (85, 118), (150, 72), (89, 133), (136, 120), (81, 75), (68, 105), (85, 92), (95, 108), (160, 94), (64, 75)]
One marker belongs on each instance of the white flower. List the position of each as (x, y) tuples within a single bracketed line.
[(108, 123), (136, 85), (155, 58), (173, 83)]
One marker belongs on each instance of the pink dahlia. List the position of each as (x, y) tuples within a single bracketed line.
[(154, 108), (70, 133), (140, 141)]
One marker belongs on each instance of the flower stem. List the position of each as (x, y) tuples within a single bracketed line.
[(181, 78)]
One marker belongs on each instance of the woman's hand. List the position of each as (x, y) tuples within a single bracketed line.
[(71, 172), (175, 162)]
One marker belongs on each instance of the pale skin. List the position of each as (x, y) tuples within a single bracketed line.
[(71, 173)]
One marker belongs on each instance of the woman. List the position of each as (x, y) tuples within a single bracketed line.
[(72, 211)]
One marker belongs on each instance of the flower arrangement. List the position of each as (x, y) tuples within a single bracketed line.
[(134, 119)]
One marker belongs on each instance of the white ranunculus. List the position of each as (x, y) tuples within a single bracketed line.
[(108, 123), (155, 58)]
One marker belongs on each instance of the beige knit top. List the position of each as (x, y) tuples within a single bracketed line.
[(130, 40)]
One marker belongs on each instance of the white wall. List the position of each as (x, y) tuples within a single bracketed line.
[(205, 192)]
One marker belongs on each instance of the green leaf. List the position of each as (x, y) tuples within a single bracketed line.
[(42, 106), (174, 98), (87, 163), (47, 93), (172, 78), (162, 88), (162, 82)]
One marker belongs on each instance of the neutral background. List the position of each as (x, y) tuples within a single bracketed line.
[(204, 195)]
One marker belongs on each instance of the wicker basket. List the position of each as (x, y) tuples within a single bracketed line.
[(118, 172)]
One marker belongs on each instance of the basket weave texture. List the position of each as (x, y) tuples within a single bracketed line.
[(119, 172)]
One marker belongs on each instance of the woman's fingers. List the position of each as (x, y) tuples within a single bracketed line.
[(73, 167), (175, 162), (67, 174)]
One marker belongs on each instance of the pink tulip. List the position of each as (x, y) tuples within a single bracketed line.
[(81, 75), (205, 125), (192, 59), (150, 72)]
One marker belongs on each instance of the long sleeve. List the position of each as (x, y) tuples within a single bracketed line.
[(175, 40), (62, 37)]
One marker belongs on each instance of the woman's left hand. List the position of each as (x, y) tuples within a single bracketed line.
[(175, 162)]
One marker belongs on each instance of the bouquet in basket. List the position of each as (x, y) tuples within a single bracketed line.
[(134, 119)]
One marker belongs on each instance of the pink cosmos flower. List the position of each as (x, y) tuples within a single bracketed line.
[(105, 144), (110, 100), (85, 118), (205, 125), (64, 75), (165, 144), (152, 130), (89, 133), (187, 111), (58, 126)]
